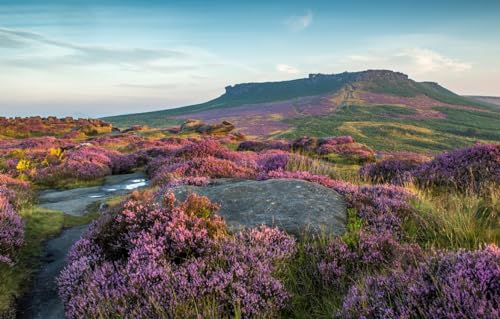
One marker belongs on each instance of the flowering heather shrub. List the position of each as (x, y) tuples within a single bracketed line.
[(273, 160), (356, 151), (336, 140), (462, 284), (208, 158), (397, 172), (339, 263), (154, 261), (85, 163), (204, 148), (305, 143), (279, 145), (29, 143), (197, 167), (18, 193), (257, 146), (383, 207), (122, 163), (35, 125), (466, 169), (254, 146), (11, 230)]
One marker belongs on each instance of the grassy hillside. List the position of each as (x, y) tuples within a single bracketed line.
[(371, 126), (495, 100), (411, 115), (240, 94)]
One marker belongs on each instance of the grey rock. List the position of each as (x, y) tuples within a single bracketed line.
[(290, 204)]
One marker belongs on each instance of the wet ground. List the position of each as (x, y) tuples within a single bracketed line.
[(43, 301)]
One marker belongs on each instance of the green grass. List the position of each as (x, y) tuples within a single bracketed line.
[(370, 125), (312, 298), (337, 168), (71, 184), (40, 225), (453, 220)]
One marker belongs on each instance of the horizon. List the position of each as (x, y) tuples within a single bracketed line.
[(96, 59)]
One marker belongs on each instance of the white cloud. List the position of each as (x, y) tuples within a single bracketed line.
[(285, 68), (48, 52), (300, 22), (417, 61), (431, 61)]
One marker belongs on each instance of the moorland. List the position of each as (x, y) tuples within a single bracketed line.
[(415, 167)]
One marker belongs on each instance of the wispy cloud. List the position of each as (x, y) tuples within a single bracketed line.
[(147, 86), (75, 54), (418, 61), (285, 68), (431, 61), (300, 22)]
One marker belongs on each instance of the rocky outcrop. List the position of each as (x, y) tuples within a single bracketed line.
[(210, 129), (292, 205)]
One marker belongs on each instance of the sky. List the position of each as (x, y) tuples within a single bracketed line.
[(97, 58)]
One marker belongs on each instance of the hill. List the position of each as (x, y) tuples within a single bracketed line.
[(488, 99), (384, 109)]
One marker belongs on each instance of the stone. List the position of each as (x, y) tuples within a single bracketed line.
[(191, 125), (209, 129), (290, 204), (222, 128)]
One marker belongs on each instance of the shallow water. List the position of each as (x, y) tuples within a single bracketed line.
[(43, 301), (75, 201)]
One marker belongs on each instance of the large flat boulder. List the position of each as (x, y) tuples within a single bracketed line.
[(292, 205)]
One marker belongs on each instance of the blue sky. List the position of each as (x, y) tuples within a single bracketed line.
[(96, 58)]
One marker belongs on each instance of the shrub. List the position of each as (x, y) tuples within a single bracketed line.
[(470, 168), (11, 230), (149, 260), (462, 284), (254, 146), (122, 163), (355, 151), (200, 167), (397, 172), (308, 144), (17, 192), (203, 148), (257, 146), (340, 264), (336, 140), (273, 160)]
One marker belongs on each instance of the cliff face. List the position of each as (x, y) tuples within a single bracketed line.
[(317, 83)]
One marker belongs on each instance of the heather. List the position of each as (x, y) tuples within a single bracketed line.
[(420, 239), (470, 168), (51, 126), (11, 231), (397, 172), (149, 260), (460, 284), (55, 162)]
